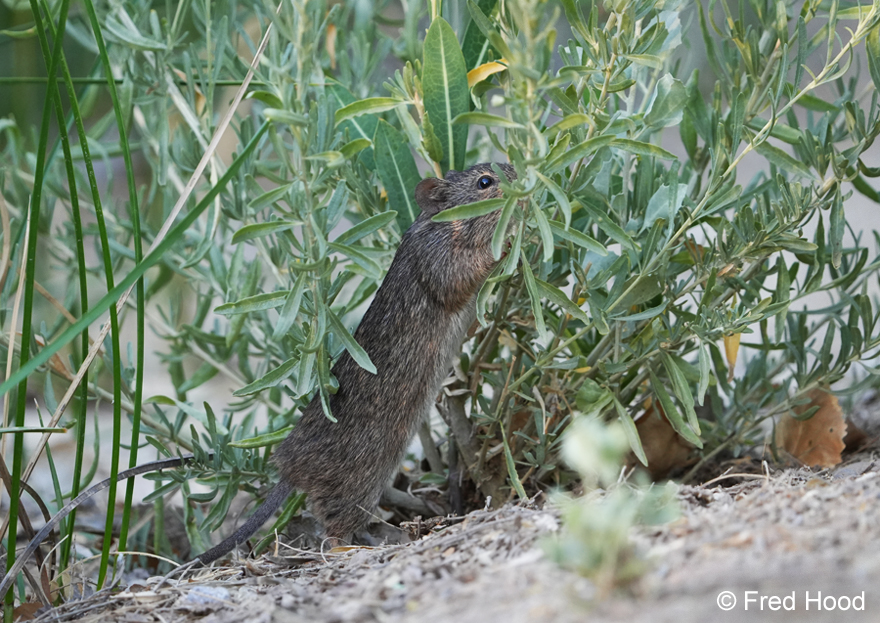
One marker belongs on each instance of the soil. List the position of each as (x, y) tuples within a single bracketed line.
[(798, 538)]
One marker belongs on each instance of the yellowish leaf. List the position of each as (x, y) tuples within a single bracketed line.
[(330, 44), (731, 350), (478, 74)]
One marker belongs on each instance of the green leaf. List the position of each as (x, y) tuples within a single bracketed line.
[(545, 232), (366, 227), (579, 151), (479, 19), (370, 267), (604, 222), (258, 230), (131, 37), (534, 296), (371, 105), (872, 47), (444, 82), (511, 469), (500, 236), (672, 413), (398, 172), (682, 390), (568, 122), (632, 433), (705, 374), (288, 313), (782, 160), (664, 203), (474, 45), (430, 139), (352, 148), (652, 312), (270, 379), (642, 149), (669, 103), (357, 127), (269, 197), (559, 195), (556, 296), (578, 238), (468, 210), (354, 349), (262, 441), (258, 302), (485, 119), (285, 116)]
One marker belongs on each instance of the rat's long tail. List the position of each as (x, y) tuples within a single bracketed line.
[(276, 497)]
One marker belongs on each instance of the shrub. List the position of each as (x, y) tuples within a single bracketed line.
[(638, 248)]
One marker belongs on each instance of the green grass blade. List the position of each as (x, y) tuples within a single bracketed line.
[(151, 259), (30, 270)]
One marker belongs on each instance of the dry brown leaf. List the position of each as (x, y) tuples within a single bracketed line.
[(26, 611), (664, 448), (818, 440)]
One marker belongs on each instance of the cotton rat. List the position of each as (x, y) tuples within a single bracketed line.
[(411, 331)]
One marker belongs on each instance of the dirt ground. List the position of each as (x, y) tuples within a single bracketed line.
[(810, 539)]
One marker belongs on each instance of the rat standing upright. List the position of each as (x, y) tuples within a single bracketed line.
[(412, 331)]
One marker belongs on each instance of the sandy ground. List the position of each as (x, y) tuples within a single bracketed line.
[(795, 535)]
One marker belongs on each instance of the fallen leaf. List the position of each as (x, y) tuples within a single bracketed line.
[(664, 448), (26, 611), (818, 440)]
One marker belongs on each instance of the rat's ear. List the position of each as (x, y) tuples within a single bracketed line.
[(431, 194)]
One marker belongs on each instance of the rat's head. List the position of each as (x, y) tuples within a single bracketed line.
[(477, 183), (460, 187)]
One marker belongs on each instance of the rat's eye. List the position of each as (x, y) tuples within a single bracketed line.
[(484, 182)]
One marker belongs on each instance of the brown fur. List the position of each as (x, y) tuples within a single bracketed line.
[(412, 330)]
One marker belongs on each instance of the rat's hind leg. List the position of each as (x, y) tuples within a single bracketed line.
[(343, 517)]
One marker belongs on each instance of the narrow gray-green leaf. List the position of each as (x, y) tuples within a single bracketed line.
[(468, 210), (354, 349), (545, 232), (642, 149), (288, 313), (354, 147), (672, 413), (559, 195), (366, 227), (285, 116), (705, 373), (632, 433), (500, 236), (682, 390), (270, 379), (578, 238), (782, 160), (556, 296), (366, 106), (258, 302), (485, 119), (372, 269), (534, 295), (258, 230), (579, 151), (262, 441)]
